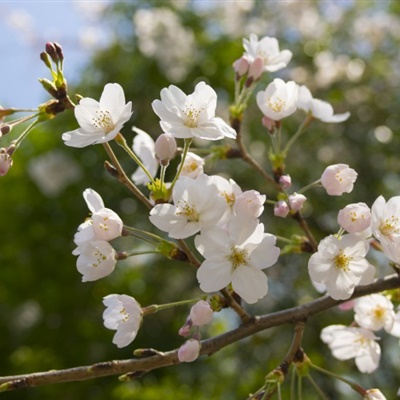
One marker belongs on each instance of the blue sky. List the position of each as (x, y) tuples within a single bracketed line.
[(25, 28)]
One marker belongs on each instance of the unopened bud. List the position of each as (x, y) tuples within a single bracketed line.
[(49, 87), (241, 66), (285, 181), (201, 313), (189, 351), (111, 169), (296, 201), (281, 209), (59, 51), (165, 148), (5, 162), (269, 123), (4, 129), (51, 51), (46, 59)]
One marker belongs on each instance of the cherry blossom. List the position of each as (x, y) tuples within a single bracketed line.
[(188, 116), (385, 224), (281, 209), (100, 121), (355, 217), (350, 342), (340, 265), (317, 108), (296, 201), (278, 100), (96, 260), (123, 314), (5, 162), (144, 148), (236, 255), (267, 49), (374, 312), (338, 179), (193, 165), (250, 203), (197, 204), (165, 148), (374, 394)]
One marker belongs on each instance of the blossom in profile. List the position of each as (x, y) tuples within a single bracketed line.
[(201, 313), (189, 351), (340, 265), (197, 204), (296, 201), (144, 148), (346, 343), (374, 394), (96, 260), (338, 179), (5, 161), (374, 312), (250, 203), (354, 217), (236, 254), (278, 100), (188, 116), (165, 148), (103, 225), (123, 314), (100, 121), (319, 109), (385, 224), (267, 48)]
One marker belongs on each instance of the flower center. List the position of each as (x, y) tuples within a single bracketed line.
[(342, 261), (124, 315), (189, 212), (276, 105), (379, 312), (238, 257), (229, 198), (99, 258), (192, 115), (190, 167), (103, 121), (390, 226)]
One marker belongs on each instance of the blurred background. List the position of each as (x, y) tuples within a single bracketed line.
[(346, 52)]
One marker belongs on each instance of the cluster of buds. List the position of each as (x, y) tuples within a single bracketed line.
[(200, 314)]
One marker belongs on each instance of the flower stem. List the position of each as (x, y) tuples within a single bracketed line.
[(158, 307), (311, 185), (185, 151), (317, 388), (299, 131), (24, 134)]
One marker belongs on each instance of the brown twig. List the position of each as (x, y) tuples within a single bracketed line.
[(209, 346)]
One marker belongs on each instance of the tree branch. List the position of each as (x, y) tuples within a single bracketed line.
[(209, 346)]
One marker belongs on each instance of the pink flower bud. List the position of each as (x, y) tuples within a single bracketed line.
[(189, 351), (355, 217), (281, 209), (347, 305), (256, 69), (338, 179), (185, 329), (296, 201), (269, 123), (285, 181), (201, 313), (250, 203), (165, 148), (241, 66), (5, 162)]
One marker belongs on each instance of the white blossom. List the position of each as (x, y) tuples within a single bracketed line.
[(350, 342), (385, 224), (319, 109), (188, 116), (340, 264), (193, 165), (250, 203), (236, 255), (100, 121), (374, 312), (278, 100), (197, 204), (338, 179), (123, 314), (374, 394), (355, 217), (267, 49), (96, 260), (144, 148)]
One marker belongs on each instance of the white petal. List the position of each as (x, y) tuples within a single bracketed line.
[(249, 283)]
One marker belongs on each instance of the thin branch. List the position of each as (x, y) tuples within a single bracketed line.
[(209, 346)]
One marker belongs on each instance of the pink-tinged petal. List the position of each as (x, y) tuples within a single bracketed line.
[(93, 200), (124, 336), (249, 283), (214, 276)]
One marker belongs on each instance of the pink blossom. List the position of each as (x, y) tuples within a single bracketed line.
[(201, 313), (354, 217), (5, 162), (296, 201), (338, 179), (189, 351), (281, 209), (165, 148)]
